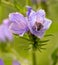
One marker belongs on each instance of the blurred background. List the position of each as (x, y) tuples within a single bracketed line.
[(19, 46)]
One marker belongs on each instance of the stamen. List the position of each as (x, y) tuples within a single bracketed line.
[(37, 26)]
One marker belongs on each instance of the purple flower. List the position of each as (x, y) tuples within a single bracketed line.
[(29, 10), (15, 63), (37, 22), (5, 32), (19, 23), (6, 22), (1, 62)]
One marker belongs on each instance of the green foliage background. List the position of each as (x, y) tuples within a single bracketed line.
[(19, 45)]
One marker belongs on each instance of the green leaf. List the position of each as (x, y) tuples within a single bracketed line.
[(42, 44), (7, 3), (25, 38), (22, 37), (44, 41), (18, 6), (48, 35), (41, 48), (55, 54)]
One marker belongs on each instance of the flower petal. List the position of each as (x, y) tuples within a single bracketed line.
[(1, 62), (19, 23), (32, 17), (15, 63), (2, 36), (17, 18), (41, 13), (8, 34), (5, 33), (29, 10), (47, 23), (6, 22), (18, 29), (39, 34)]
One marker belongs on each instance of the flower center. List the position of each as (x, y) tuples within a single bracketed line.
[(37, 26)]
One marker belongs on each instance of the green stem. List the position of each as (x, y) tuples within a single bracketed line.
[(34, 49), (7, 3), (34, 55), (55, 62)]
